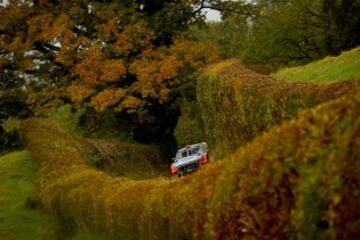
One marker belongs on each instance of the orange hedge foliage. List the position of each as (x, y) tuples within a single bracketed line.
[(298, 181)]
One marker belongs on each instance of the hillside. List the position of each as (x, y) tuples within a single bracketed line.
[(330, 69), (20, 217)]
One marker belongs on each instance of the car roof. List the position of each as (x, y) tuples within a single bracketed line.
[(190, 146)]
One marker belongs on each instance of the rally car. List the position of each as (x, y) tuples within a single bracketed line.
[(189, 159)]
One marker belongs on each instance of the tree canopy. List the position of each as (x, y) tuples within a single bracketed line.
[(120, 56)]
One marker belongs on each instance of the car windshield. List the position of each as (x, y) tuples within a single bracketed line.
[(190, 151), (184, 154)]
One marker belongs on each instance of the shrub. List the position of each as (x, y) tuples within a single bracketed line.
[(297, 181)]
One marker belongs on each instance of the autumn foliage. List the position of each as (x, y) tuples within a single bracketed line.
[(103, 57), (95, 69)]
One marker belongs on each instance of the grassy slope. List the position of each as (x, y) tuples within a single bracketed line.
[(330, 69), (18, 182)]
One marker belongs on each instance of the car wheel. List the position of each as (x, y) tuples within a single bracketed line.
[(180, 174)]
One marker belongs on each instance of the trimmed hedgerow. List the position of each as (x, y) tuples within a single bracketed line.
[(237, 104), (79, 195), (298, 181)]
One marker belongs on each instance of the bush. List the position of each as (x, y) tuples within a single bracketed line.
[(297, 181), (237, 104)]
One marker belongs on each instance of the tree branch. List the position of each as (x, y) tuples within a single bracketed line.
[(221, 7)]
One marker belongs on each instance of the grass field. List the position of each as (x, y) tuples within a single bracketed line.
[(18, 182), (330, 69)]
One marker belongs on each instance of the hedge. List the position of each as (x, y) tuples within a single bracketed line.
[(298, 181), (237, 104)]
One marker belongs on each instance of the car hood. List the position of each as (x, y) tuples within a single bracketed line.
[(187, 160)]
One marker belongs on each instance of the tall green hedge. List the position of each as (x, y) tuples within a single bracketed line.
[(237, 104), (298, 181)]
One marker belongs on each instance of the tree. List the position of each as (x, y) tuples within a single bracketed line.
[(286, 32), (123, 57), (229, 35)]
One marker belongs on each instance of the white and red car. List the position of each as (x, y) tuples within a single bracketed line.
[(189, 159)]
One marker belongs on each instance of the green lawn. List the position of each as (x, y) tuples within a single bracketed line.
[(330, 69), (18, 181)]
